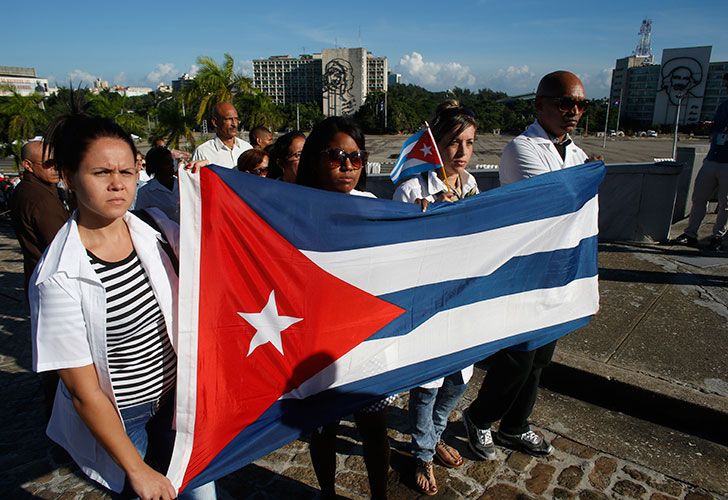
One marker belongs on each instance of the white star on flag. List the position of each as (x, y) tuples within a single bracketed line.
[(268, 325), (426, 150)]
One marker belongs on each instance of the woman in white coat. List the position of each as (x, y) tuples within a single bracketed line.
[(453, 129), (103, 306)]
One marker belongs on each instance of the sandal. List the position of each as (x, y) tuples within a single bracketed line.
[(425, 478), (447, 455)]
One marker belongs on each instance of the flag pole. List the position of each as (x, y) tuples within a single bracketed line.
[(442, 166)]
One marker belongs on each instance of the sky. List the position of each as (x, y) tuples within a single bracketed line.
[(505, 46)]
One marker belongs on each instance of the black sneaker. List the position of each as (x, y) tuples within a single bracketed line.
[(684, 239), (480, 440), (715, 244), (528, 442)]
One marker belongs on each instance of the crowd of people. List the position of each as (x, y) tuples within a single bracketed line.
[(102, 286)]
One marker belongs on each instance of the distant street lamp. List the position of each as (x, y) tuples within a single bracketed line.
[(677, 123), (606, 124)]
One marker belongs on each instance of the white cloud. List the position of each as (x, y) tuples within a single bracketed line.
[(163, 72), (79, 76), (119, 79), (435, 75), (245, 67), (513, 80), (194, 68), (597, 84)]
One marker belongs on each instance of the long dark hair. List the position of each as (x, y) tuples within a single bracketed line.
[(279, 152), (69, 138), (318, 140)]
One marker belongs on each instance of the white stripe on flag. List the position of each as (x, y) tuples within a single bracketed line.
[(390, 268), (501, 317)]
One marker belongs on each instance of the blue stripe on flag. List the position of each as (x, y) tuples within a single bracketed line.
[(290, 418), (304, 216), (520, 274), (395, 173)]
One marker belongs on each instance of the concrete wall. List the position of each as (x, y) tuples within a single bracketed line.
[(636, 201), (692, 157)]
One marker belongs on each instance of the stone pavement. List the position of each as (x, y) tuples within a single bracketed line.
[(662, 330)]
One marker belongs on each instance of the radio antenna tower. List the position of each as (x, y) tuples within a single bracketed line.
[(644, 47)]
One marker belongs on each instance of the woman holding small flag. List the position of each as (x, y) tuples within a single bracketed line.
[(430, 405), (334, 158)]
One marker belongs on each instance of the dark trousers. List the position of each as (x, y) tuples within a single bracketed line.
[(510, 387)]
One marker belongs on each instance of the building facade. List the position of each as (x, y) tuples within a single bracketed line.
[(336, 79), (650, 94), (23, 80)]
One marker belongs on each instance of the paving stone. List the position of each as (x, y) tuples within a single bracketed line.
[(351, 481), (483, 471), (629, 488), (635, 474), (601, 474), (562, 494), (573, 448), (592, 495), (667, 486), (519, 461), (503, 491), (697, 495), (661, 496), (570, 477), (540, 479)]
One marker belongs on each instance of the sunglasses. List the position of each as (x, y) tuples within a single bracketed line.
[(567, 103), (337, 158), (260, 171)]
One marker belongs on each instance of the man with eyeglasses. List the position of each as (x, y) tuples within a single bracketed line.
[(36, 208), (510, 386), (225, 148)]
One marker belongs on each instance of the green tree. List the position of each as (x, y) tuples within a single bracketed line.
[(174, 126), (309, 114), (116, 107), (214, 83), (256, 109), (21, 118)]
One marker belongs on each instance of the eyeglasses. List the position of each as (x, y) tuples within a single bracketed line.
[(567, 103), (260, 171), (46, 163), (294, 156), (337, 158)]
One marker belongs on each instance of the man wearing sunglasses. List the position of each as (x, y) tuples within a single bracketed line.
[(36, 208), (510, 387), (546, 146)]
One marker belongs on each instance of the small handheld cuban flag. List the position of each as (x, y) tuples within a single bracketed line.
[(419, 154)]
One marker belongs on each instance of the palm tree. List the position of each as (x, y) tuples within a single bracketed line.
[(115, 107), (258, 109), (215, 83), (22, 117), (173, 126)]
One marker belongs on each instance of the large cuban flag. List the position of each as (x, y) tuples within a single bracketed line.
[(298, 306)]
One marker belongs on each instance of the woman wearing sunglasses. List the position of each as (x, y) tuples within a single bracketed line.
[(430, 405), (254, 161), (334, 158), (103, 304)]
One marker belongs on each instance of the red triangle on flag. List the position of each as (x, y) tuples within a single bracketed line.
[(425, 149), (243, 259)]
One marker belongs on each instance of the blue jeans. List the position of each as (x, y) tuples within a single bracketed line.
[(428, 413), (149, 426)]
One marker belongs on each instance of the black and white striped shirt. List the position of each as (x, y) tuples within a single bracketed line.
[(142, 363)]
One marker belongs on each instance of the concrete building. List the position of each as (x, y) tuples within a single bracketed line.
[(182, 82), (337, 79), (23, 80), (651, 93), (394, 78)]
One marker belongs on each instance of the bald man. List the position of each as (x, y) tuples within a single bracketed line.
[(36, 209), (510, 387), (225, 148)]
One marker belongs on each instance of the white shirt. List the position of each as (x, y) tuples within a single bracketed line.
[(68, 327), (533, 153), (218, 153), (154, 194), (364, 194), (416, 187)]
